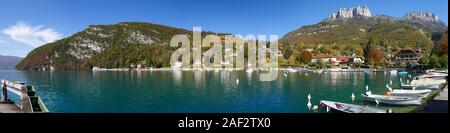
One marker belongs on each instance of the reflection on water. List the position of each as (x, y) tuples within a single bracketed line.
[(177, 76), (193, 91)]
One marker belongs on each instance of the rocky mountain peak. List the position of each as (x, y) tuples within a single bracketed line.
[(351, 12), (422, 16)]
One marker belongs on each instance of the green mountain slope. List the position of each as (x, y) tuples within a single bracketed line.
[(391, 33), (107, 46)]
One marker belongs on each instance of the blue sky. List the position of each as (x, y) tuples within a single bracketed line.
[(26, 24)]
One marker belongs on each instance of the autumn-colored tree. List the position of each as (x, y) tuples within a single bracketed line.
[(375, 56), (444, 46), (305, 56), (359, 51)]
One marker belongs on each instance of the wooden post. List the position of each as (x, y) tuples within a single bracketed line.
[(26, 102), (4, 92)]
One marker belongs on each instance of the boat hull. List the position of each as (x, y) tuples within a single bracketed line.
[(411, 93), (392, 100), (350, 108)]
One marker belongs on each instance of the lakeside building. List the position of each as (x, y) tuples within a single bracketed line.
[(357, 59), (407, 56), (325, 59)]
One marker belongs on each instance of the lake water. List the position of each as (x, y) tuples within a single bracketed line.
[(194, 91)]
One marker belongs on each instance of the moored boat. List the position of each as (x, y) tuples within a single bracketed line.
[(422, 84), (408, 93), (392, 100), (433, 75), (350, 108)]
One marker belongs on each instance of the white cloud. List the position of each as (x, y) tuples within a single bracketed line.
[(32, 36)]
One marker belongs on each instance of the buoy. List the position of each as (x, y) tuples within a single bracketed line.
[(328, 109), (237, 81), (306, 74), (367, 88), (309, 104), (309, 96), (315, 108), (353, 97)]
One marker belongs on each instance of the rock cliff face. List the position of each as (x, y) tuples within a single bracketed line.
[(421, 16), (351, 12), (424, 20)]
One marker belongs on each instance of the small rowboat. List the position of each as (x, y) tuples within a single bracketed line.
[(410, 93), (393, 100), (429, 84), (350, 108)]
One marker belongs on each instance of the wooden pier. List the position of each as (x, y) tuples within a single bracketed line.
[(28, 102)]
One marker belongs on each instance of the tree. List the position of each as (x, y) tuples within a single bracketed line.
[(148, 60), (326, 49), (369, 44), (424, 60), (434, 61), (305, 56), (444, 46), (359, 51), (443, 61), (292, 59), (320, 63), (358, 64), (375, 56)]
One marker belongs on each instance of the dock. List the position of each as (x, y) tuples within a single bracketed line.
[(443, 95), (439, 104), (28, 102)]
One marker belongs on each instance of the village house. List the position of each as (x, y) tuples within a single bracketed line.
[(357, 59), (326, 58), (344, 60), (407, 56)]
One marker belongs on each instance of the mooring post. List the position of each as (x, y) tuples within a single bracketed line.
[(4, 92)]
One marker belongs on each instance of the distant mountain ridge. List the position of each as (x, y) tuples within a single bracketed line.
[(9, 62), (356, 26)]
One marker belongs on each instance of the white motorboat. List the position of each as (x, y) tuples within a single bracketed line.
[(422, 84), (291, 70), (350, 108), (411, 93), (393, 100), (408, 93), (433, 75)]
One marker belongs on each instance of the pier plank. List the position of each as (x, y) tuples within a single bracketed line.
[(9, 108)]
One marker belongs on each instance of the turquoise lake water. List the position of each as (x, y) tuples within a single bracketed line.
[(194, 91)]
